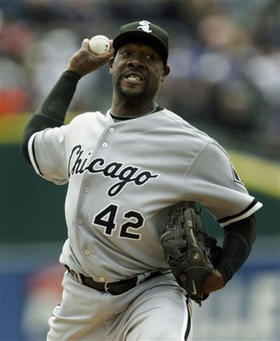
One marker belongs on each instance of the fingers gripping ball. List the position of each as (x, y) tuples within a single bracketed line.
[(99, 44), (188, 250)]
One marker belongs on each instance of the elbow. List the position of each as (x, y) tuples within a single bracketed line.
[(245, 228)]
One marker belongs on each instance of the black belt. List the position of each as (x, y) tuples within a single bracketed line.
[(114, 288)]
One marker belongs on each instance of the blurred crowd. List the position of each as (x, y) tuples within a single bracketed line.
[(224, 59)]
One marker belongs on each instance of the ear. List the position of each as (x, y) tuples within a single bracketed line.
[(166, 70), (111, 62)]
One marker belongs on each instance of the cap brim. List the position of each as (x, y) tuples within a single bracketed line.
[(142, 37)]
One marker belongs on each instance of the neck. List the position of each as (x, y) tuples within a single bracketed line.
[(132, 107)]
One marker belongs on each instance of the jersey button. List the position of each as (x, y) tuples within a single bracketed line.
[(86, 189), (80, 221), (87, 252), (104, 145), (101, 279), (111, 130)]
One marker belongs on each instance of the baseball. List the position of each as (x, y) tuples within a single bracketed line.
[(99, 44)]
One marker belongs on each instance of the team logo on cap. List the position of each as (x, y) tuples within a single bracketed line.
[(144, 25)]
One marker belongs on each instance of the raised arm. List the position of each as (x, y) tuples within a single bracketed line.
[(53, 110)]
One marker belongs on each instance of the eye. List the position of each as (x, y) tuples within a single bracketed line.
[(126, 53), (149, 56)]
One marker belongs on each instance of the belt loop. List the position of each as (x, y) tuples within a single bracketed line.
[(74, 274), (140, 278), (79, 278), (143, 276)]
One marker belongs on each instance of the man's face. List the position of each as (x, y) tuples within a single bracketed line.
[(137, 71)]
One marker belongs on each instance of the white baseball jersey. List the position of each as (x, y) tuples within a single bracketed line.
[(124, 177)]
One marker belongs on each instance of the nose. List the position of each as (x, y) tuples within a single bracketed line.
[(135, 63)]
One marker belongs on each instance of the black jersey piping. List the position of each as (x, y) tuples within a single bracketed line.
[(124, 118), (223, 220), (34, 156), (188, 324)]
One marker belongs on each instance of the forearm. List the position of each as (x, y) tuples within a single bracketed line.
[(56, 104), (53, 110), (238, 241)]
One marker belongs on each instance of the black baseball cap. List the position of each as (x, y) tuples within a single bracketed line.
[(145, 32)]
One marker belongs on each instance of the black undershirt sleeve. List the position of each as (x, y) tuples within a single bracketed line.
[(53, 110), (239, 238)]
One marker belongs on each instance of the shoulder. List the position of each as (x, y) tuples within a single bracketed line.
[(194, 137), (187, 129), (84, 118)]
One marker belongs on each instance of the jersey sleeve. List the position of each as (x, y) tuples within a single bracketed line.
[(213, 182), (46, 150)]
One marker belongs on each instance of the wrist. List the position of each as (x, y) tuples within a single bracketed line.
[(72, 74), (213, 282), (225, 272)]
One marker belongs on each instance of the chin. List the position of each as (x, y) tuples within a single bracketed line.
[(130, 92)]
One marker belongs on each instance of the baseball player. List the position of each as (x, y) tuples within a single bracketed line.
[(125, 170)]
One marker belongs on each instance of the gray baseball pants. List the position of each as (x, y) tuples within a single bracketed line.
[(155, 310)]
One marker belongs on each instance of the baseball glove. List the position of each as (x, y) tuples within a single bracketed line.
[(190, 252)]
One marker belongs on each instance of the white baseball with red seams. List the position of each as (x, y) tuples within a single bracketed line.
[(99, 44)]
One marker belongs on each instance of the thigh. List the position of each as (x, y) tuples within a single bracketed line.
[(79, 316), (160, 313)]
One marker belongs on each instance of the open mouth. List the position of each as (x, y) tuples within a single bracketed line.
[(133, 78)]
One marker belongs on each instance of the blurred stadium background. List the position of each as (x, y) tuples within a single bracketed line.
[(225, 79)]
